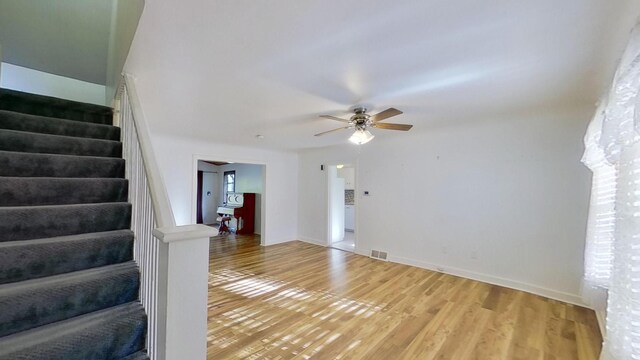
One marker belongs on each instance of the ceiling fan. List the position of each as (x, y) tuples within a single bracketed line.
[(360, 121)]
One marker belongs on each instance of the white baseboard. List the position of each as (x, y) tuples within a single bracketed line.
[(312, 241), (362, 252), (495, 280), (490, 279), (277, 242)]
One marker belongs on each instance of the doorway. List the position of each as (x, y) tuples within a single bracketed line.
[(229, 196), (342, 207)]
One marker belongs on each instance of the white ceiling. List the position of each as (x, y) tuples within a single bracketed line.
[(63, 37), (240, 68)]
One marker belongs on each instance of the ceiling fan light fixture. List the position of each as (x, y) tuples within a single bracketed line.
[(360, 137)]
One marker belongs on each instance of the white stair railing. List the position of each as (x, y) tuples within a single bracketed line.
[(173, 260)]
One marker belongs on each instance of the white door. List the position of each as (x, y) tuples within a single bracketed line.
[(209, 192), (336, 204)]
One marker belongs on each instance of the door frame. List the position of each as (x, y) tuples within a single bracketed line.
[(263, 197), (329, 214)]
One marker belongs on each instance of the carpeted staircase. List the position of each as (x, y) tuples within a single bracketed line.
[(68, 284)]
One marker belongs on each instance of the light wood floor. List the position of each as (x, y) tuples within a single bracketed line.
[(301, 301)]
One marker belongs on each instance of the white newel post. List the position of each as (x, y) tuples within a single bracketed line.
[(187, 261)]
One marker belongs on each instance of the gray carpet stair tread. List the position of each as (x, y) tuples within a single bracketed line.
[(31, 259), (46, 125), (28, 304), (11, 140), (36, 222), (55, 165), (18, 101), (112, 333), (140, 355), (24, 191)]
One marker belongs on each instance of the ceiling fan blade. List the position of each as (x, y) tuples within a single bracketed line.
[(385, 114), (386, 126), (326, 132), (334, 118)]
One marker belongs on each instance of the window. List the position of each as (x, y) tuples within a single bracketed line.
[(229, 183)]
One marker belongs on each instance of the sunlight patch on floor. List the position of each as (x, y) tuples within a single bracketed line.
[(253, 287), (250, 320)]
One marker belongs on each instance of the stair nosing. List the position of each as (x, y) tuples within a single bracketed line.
[(52, 280), (66, 137), (66, 326), (36, 178), (102, 131), (67, 155), (56, 119), (63, 238), (66, 205)]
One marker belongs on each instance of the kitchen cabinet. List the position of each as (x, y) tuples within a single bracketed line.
[(349, 217)]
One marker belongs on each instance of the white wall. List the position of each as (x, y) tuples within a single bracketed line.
[(125, 15), (176, 159), (38, 82), (349, 176), (248, 178), (503, 201)]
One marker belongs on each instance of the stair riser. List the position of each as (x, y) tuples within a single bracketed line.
[(17, 191), (107, 334), (45, 165), (23, 260), (22, 309), (52, 144), (52, 107), (21, 223), (45, 125)]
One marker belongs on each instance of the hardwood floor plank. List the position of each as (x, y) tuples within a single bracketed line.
[(302, 301)]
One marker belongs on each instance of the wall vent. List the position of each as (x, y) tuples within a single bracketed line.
[(380, 255)]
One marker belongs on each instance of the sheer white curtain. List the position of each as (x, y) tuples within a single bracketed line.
[(612, 255), (601, 223)]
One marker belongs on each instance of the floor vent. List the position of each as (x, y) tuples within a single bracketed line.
[(377, 254)]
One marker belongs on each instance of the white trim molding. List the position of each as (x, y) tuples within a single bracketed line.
[(494, 280), (312, 241)]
